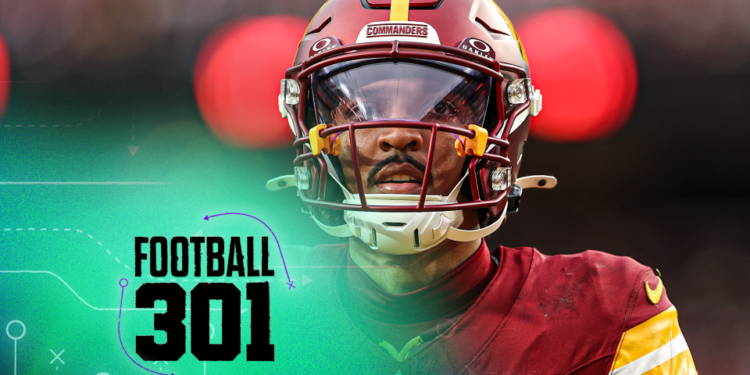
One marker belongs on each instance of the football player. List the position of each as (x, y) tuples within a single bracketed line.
[(410, 118)]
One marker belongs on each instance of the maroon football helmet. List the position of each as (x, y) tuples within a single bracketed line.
[(456, 48)]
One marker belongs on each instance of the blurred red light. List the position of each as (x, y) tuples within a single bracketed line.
[(586, 70), (237, 79), (4, 75)]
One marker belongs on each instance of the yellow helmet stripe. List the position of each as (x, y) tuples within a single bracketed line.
[(399, 10)]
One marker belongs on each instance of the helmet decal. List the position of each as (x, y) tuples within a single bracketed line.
[(404, 31), (324, 45), (478, 46)]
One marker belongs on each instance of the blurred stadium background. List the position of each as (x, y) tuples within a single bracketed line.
[(669, 188)]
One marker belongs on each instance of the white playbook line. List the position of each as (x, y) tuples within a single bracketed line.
[(82, 300)]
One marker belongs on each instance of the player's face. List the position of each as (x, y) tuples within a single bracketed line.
[(393, 160)]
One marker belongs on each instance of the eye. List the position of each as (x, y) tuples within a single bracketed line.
[(445, 108), (353, 110), (348, 112), (353, 113)]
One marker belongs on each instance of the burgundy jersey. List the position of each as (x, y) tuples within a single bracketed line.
[(587, 313)]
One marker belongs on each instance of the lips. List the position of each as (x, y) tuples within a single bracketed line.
[(399, 178)]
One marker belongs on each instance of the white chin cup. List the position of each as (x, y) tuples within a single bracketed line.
[(401, 233)]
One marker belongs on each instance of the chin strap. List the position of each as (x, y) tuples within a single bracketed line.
[(461, 235), (528, 182)]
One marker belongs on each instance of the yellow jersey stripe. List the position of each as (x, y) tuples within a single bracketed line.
[(681, 364), (399, 10), (651, 360), (647, 337)]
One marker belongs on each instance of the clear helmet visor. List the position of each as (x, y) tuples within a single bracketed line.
[(418, 90)]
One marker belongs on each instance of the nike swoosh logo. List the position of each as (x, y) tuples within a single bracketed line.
[(655, 295)]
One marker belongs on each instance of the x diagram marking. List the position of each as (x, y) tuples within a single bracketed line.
[(57, 356)]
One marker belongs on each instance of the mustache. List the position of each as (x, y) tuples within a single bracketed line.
[(395, 158)]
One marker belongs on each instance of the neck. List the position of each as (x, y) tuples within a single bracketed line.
[(399, 274)]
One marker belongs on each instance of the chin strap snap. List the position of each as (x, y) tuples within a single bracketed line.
[(472, 146), (320, 144)]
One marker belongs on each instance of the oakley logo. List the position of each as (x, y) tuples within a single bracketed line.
[(477, 46), (319, 45), (324, 45)]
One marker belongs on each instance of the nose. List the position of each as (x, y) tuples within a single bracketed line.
[(400, 139)]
